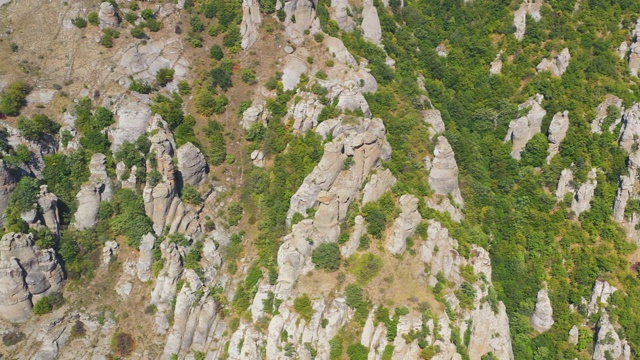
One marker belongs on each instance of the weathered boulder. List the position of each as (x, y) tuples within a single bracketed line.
[(251, 20), (359, 230), (433, 118), (304, 13), (582, 199), (490, 333), (191, 164), (305, 112), (542, 318), (48, 203), (602, 112), (405, 224), (521, 130), (496, 64), (341, 11), (608, 344), (291, 72), (441, 50), (443, 173), (630, 127), (109, 250), (622, 50), (254, 113), (88, 206), (634, 58), (132, 114), (565, 184), (440, 251), (557, 132), (574, 335), (108, 16), (7, 184), (531, 7), (624, 193), (600, 294), (257, 158), (379, 183), (371, 29), (557, 65), (26, 274), (145, 260)]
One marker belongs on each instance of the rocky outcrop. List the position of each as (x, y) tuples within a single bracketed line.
[(608, 344), (542, 318), (565, 184), (253, 114), (341, 11), (623, 195), (251, 20), (7, 184), (602, 112), (359, 230), (145, 260), (371, 29), (434, 119), (305, 112), (441, 50), (109, 250), (26, 274), (530, 7), (165, 285), (443, 171), (48, 203), (405, 224), (304, 13), (523, 129), (132, 114), (557, 132), (291, 72), (557, 65), (257, 158), (634, 53), (600, 294), (379, 183), (161, 202), (630, 128), (582, 199), (496, 64), (191, 165), (108, 16), (98, 188), (574, 335)]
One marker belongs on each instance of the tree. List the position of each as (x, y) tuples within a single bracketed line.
[(216, 52), (13, 98), (35, 128), (164, 76), (42, 306), (302, 305), (535, 153), (217, 148), (25, 194), (326, 256)]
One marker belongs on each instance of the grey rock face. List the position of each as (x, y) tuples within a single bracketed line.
[(254, 113), (305, 113), (624, 193), (557, 65), (98, 188), (600, 294), (434, 118), (405, 224), (574, 335), (108, 16), (523, 129), (342, 8), (110, 249), (601, 114), (630, 127), (359, 229), (496, 65), (622, 50), (542, 318), (191, 164), (257, 158), (378, 184), (48, 202), (305, 19), (292, 71), (146, 257), (531, 7), (608, 341), (371, 29), (251, 20), (26, 274), (443, 175), (564, 184), (557, 132), (582, 200), (133, 115), (7, 184)]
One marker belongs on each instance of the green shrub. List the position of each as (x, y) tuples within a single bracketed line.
[(93, 18), (184, 88), (191, 195), (365, 267), (302, 305), (216, 52), (248, 76), (13, 98), (153, 25), (35, 128), (42, 306), (130, 17), (25, 195), (138, 32), (357, 352), (164, 76), (196, 24), (326, 256), (79, 22), (141, 86), (147, 14), (122, 344), (217, 147)]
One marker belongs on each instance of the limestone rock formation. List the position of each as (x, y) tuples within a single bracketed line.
[(305, 113), (557, 132), (523, 129), (630, 127), (379, 183), (496, 64), (48, 203), (7, 184), (304, 13), (341, 11), (251, 20), (622, 50), (530, 7), (433, 118), (254, 113), (441, 50), (405, 224), (191, 164), (98, 188), (574, 335), (634, 53), (565, 184), (145, 260), (109, 250), (602, 112), (582, 200), (132, 114), (600, 294), (257, 158), (623, 195), (108, 16), (291, 72), (359, 230), (26, 274), (443, 173), (542, 318), (557, 65), (608, 342), (371, 29)]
